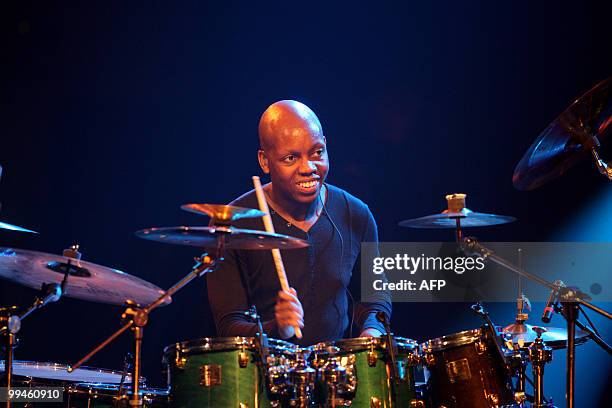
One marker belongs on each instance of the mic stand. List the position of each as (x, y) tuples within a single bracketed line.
[(569, 297), (136, 317)]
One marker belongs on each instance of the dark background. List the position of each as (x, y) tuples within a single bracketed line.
[(115, 113)]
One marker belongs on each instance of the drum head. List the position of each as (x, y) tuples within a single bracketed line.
[(207, 344), (452, 340), (55, 371)]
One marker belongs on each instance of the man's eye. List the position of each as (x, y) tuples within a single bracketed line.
[(319, 152), (289, 159)]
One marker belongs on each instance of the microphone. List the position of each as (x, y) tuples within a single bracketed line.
[(549, 309)]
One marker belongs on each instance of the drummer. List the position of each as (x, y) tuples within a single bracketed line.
[(293, 153)]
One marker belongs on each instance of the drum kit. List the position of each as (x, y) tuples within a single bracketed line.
[(481, 367)]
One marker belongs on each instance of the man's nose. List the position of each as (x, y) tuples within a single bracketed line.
[(307, 167)]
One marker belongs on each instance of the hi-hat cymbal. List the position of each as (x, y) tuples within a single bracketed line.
[(87, 281), (206, 237), (448, 219), (568, 138), (4, 225), (554, 337), (223, 213)]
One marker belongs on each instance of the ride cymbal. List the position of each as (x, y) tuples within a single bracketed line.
[(86, 280), (207, 237)]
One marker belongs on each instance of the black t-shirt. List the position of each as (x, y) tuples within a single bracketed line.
[(322, 274)]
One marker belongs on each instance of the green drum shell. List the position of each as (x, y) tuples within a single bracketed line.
[(373, 382), (218, 372)]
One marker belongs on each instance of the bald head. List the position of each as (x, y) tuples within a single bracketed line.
[(286, 119)]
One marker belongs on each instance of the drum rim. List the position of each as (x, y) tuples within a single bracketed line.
[(449, 341), (364, 343), (225, 343), (86, 387), (63, 367)]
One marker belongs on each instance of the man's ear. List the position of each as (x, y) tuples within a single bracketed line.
[(263, 161)]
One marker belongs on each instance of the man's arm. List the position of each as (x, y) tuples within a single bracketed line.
[(228, 297)]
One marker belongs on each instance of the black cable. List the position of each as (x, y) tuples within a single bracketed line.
[(341, 256)]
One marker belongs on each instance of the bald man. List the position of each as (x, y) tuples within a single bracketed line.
[(293, 153)]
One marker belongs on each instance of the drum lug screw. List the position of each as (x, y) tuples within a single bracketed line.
[(374, 402), (415, 403), (372, 358), (181, 362), (243, 359)]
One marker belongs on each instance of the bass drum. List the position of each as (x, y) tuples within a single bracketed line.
[(219, 372), (467, 371)]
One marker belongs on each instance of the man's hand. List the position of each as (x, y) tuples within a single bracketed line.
[(288, 313), (370, 333)]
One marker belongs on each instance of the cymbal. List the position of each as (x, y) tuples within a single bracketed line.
[(448, 219), (554, 337), (4, 225), (87, 281), (223, 213), (206, 237), (567, 139)]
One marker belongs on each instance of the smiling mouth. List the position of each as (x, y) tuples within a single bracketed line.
[(308, 184)]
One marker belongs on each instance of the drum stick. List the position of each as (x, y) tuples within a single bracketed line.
[(278, 260)]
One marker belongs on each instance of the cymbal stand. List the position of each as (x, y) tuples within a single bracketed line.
[(539, 355), (10, 322), (136, 317), (570, 298)]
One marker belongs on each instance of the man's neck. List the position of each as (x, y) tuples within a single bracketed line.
[(296, 211)]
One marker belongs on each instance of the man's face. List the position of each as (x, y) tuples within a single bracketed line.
[(298, 164)]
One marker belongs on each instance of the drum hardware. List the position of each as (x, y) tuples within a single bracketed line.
[(576, 133), (261, 340), (302, 379), (480, 311), (539, 356), (375, 402), (128, 361), (135, 318), (10, 324), (569, 297), (210, 375), (390, 347), (220, 236)]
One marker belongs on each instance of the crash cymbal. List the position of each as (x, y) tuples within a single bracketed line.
[(87, 281), (554, 337), (206, 237), (4, 225), (568, 139), (225, 214)]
